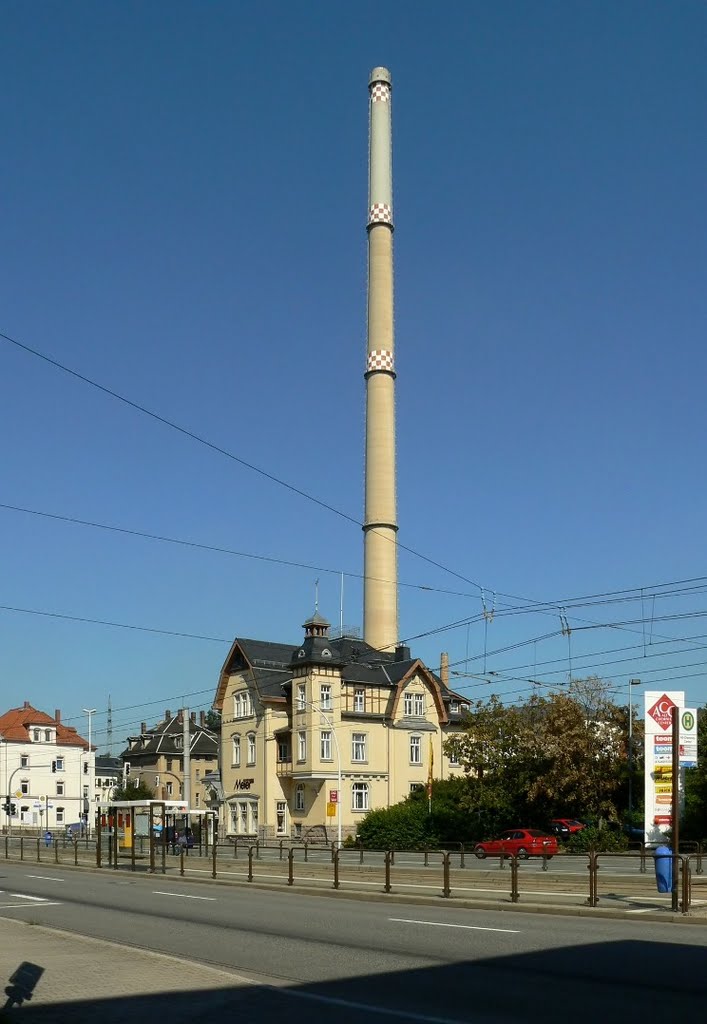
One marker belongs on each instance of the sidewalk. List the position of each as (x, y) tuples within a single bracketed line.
[(86, 979)]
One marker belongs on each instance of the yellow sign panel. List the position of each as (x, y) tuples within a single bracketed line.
[(663, 769), (660, 788), (331, 810)]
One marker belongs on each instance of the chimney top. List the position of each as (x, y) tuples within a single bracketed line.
[(402, 653), (193, 717), (444, 667), (143, 727), (167, 714), (57, 715), (202, 718), (26, 704)]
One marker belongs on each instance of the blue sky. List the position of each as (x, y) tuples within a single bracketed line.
[(184, 195)]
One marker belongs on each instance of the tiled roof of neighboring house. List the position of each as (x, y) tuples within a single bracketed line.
[(167, 737), (106, 765), (16, 723)]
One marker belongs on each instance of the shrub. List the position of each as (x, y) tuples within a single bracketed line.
[(606, 840), (405, 826)]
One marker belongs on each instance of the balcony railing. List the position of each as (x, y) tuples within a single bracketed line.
[(283, 767)]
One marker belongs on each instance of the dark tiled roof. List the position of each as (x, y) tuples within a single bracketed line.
[(161, 740)]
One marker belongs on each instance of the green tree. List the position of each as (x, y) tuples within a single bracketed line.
[(213, 720), (141, 791), (694, 823)]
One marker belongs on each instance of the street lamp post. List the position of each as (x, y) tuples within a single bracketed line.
[(91, 780), (631, 684)]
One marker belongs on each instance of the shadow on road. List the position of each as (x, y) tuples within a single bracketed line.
[(602, 981)]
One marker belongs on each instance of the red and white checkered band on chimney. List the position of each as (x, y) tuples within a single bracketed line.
[(380, 92), (380, 213), (380, 359)]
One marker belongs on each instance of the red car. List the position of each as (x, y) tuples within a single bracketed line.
[(571, 824), (521, 842)]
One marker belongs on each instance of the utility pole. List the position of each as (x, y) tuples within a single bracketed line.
[(91, 780), (187, 758), (676, 808), (631, 683)]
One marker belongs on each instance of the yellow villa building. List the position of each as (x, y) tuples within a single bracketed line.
[(296, 720)]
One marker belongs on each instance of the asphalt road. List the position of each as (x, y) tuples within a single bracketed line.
[(389, 960)]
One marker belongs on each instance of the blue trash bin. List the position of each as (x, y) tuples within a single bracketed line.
[(664, 869)]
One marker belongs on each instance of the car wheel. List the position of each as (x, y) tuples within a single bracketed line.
[(480, 852), (522, 853)]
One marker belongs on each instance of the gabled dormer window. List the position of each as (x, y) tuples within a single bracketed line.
[(37, 735)]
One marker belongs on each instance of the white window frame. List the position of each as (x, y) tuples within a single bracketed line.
[(24, 760), (169, 787), (302, 745), (454, 707), (60, 789), (325, 697), (281, 817), (37, 734), (60, 815), (301, 697), (359, 700), (250, 738), (359, 747), (360, 796), (418, 700), (235, 751), (325, 745), (24, 787), (47, 735), (416, 750), (283, 751), (299, 796), (60, 764)]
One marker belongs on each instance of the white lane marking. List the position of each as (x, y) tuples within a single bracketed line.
[(443, 924), (642, 910), (26, 906), (25, 896), (184, 896), (382, 1011), (46, 878)]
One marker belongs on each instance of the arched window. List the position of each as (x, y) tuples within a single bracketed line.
[(299, 796), (236, 753), (37, 734), (251, 748)]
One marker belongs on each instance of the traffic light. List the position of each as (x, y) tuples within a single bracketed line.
[(6, 806), (126, 769), (85, 767), (54, 766), (13, 810)]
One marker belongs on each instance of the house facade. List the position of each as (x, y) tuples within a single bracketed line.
[(157, 757), (46, 771), (325, 729)]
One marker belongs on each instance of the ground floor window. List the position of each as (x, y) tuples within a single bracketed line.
[(281, 817), (299, 796), (359, 796), (244, 817), (60, 815)]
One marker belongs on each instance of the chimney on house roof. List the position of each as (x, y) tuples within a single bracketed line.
[(167, 714), (57, 715), (193, 717), (444, 667), (202, 719), (180, 714), (26, 704), (143, 727)]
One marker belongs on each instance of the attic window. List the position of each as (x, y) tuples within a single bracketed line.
[(326, 653), (454, 707), (300, 653)]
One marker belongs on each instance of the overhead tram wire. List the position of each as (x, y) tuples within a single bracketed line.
[(256, 469), (222, 451), (144, 535)]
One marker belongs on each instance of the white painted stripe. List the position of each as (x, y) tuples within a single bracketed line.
[(443, 924), (381, 1011), (184, 896), (643, 910), (26, 906), (25, 896), (46, 878)]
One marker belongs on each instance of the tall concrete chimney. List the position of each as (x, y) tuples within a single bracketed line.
[(380, 561)]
